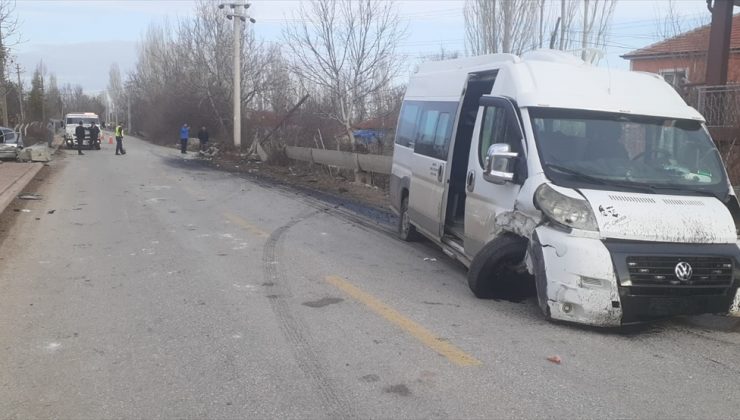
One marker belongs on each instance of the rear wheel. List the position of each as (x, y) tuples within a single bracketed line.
[(406, 230)]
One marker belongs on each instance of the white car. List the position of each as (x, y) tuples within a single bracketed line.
[(10, 143)]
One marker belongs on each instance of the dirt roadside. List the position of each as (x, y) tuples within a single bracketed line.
[(302, 176), (14, 217)]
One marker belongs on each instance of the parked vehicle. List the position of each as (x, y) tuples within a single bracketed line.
[(601, 186), (71, 121), (10, 143)]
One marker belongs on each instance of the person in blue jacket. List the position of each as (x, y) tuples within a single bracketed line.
[(184, 135)]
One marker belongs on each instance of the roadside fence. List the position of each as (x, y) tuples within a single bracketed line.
[(378, 164)]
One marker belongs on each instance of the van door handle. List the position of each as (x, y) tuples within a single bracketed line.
[(470, 181), (440, 172)]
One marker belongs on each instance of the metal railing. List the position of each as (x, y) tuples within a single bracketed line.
[(720, 105)]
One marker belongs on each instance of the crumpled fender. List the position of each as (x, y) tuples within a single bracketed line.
[(735, 306)]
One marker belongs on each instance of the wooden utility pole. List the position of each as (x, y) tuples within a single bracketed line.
[(719, 42)]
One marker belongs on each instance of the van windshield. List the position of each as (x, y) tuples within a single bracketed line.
[(85, 120), (604, 150)]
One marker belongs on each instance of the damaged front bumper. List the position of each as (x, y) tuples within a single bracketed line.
[(583, 279), (575, 278)]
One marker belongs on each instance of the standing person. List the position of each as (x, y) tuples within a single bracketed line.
[(119, 140), (203, 137), (50, 133), (94, 135), (80, 135), (184, 134)]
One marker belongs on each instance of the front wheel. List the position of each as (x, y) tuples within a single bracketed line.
[(406, 230), (497, 271)]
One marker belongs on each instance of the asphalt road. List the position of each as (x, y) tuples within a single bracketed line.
[(158, 288)]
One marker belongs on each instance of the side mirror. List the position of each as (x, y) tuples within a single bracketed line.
[(499, 165)]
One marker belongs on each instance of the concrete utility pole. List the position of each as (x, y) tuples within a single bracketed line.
[(584, 35), (128, 112), (238, 16), (20, 91), (43, 98)]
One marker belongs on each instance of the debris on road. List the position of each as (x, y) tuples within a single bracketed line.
[(30, 196), (554, 359), (51, 211), (35, 153), (210, 152), (430, 259), (22, 210)]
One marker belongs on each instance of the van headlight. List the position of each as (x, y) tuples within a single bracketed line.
[(564, 210)]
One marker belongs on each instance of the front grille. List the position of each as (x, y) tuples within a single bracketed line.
[(659, 271)]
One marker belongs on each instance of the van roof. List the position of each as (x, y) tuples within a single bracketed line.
[(81, 114), (548, 78)]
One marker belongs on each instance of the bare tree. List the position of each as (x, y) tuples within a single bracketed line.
[(568, 12), (52, 99), (74, 99), (184, 73), (597, 16), (515, 26), (116, 92), (501, 26), (8, 38), (346, 50)]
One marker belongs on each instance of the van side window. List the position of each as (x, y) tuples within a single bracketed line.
[(493, 130), (407, 123), (498, 127), (435, 130)]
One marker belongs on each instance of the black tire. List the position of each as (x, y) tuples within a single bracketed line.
[(494, 271), (406, 231)]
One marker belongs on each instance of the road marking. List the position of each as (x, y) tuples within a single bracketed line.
[(246, 225), (439, 345)]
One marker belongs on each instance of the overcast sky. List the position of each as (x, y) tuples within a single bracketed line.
[(79, 40)]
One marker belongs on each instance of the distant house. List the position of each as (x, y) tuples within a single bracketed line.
[(682, 60)]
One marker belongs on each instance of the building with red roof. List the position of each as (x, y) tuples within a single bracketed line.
[(683, 59)]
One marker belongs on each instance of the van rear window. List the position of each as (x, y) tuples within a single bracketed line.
[(406, 132), (427, 127)]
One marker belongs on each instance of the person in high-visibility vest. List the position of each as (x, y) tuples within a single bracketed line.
[(119, 140)]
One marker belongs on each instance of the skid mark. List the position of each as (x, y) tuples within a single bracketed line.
[(295, 330)]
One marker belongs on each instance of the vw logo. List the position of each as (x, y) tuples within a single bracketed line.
[(683, 271)]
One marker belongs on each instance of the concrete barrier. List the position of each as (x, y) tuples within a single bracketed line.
[(375, 163), (299, 153), (347, 160)]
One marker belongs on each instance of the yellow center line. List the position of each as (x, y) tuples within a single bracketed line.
[(439, 345), (246, 225)]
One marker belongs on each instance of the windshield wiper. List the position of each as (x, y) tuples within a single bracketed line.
[(687, 189), (597, 180)]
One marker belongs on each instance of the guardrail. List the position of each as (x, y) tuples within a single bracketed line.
[(366, 163)]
